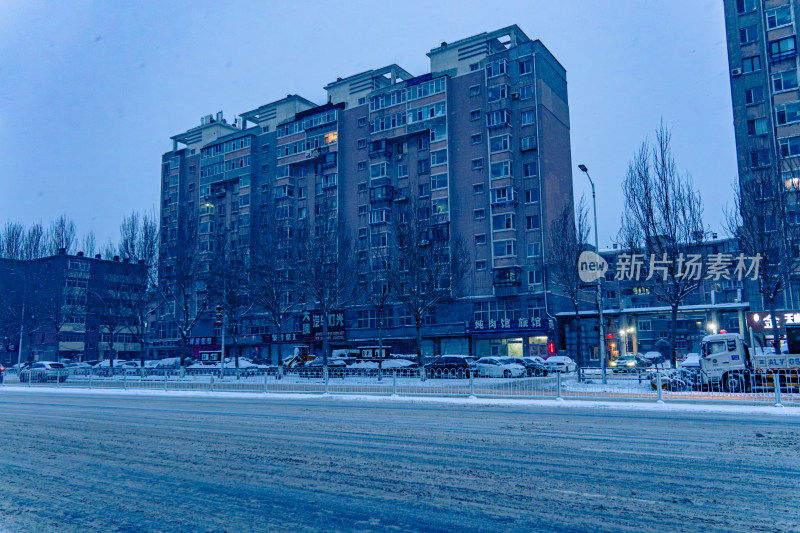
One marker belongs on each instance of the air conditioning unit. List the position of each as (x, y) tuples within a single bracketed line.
[(515, 96), (736, 72)]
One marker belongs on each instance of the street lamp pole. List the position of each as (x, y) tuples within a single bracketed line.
[(599, 280)]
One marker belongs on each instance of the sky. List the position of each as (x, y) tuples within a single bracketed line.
[(91, 92)]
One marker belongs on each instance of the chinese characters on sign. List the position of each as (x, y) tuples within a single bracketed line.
[(693, 267), (202, 341), (532, 325), (311, 323), (763, 321)]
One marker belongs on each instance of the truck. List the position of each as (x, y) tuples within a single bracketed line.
[(727, 364)]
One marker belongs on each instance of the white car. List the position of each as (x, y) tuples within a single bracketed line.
[(560, 363), (493, 367), (78, 368)]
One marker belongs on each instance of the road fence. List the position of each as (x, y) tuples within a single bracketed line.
[(678, 385)]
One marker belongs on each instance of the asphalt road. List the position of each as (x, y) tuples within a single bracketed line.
[(123, 463)]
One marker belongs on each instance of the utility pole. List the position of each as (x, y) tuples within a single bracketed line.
[(599, 280)]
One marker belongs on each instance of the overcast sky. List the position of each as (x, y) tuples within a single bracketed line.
[(90, 92)]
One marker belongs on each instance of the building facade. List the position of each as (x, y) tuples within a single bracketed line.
[(762, 55), (72, 307), (481, 143)]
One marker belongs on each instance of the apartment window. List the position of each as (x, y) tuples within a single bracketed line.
[(760, 158), (362, 165), (496, 93), (499, 118), (532, 222), (505, 248), (745, 6), (402, 171), (265, 149), (525, 66), (748, 34), (475, 114), (424, 190), (784, 114), (480, 239), (645, 325), (527, 143), (438, 181), (474, 66), (475, 90), (529, 170), (362, 187), (784, 81), (362, 143), (528, 117), (362, 122), (790, 146), (783, 49), (362, 100), (438, 133), (751, 64), (501, 143), (362, 210), (754, 95), (422, 143), (477, 164), (423, 166), (479, 214), (495, 68), (504, 221), (477, 188), (301, 192), (531, 196), (439, 206), (477, 138), (480, 264), (439, 157), (526, 92), (780, 16), (378, 170), (501, 169), (534, 277), (534, 249), (264, 169)]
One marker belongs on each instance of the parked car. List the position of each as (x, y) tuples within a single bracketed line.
[(656, 360), (534, 367), (494, 367), (692, 361), (43, 371), (560, 363), (313, 369), (628, 363), (78, 368), (451, 366)]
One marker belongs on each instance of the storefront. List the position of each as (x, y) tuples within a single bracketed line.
[(506, 338)]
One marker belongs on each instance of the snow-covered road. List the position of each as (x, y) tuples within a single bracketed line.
[(107, 462)]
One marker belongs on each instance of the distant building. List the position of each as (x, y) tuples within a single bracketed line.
[(637, 321), (483, 139), (70, 306)]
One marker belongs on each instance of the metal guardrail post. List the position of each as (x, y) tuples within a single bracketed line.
[(325, 375), (777, 384), (394, 383), (165, 380), (211, 383), (558, 386), (658, 385), (265, 382), (471, 385), (125, 381), (90, 379)]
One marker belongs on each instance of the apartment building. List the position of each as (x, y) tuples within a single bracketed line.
[(762, 54), (480, 142), (72, 307)]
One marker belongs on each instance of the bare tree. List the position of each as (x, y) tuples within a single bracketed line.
[(759, 220), (12, 241), (428, 265), (228, 288), (33, 245), (182, 276), (89, 244), (569, 237), (663, 217), (375, 290), (326, 271), (61, 234), (273, 279), (139, 245)]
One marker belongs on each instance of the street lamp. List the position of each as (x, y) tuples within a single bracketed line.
[(585, 170)]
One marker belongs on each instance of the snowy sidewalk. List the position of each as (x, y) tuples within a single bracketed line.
[(699, 407)]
